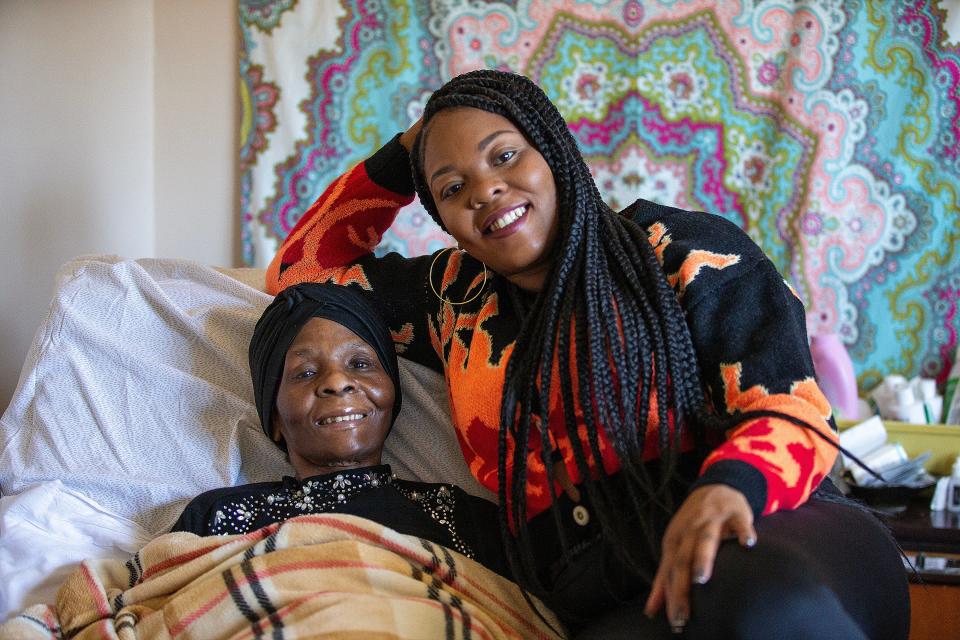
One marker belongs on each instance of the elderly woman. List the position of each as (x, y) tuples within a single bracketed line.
[(327, 388)]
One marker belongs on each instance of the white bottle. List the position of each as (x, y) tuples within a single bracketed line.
[(953, 489), (906, 406), (939, 500), (925, 389)]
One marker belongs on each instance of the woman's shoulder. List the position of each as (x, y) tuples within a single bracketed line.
[(219, 496), (434, 488), (416, 487), (441, 491), (678, 232), (196, 515)]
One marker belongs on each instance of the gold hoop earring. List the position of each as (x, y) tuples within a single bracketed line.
[(434, 288)]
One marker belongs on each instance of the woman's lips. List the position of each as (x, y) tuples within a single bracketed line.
[(341, 420), (505, 221)]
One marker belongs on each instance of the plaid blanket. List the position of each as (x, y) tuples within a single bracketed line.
[(317, 576)]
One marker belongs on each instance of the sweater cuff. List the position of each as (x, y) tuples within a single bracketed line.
[(740, 475), (389, 167)]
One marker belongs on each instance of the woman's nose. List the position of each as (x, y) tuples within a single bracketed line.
[(485, 190), (335, 383)]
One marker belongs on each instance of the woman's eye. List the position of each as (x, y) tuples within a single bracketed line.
[(450, 191), (305, 374), (361, 364), (505, 156)]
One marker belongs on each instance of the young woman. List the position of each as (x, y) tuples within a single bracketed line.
[(327, 389), (652, 365)]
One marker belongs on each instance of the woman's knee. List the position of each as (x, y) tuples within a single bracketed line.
[(762, 593), (824, 570)]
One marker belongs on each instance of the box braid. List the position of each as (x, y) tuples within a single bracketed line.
[(629, 334)]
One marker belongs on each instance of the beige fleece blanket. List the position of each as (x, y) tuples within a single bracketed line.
[(316, 576)]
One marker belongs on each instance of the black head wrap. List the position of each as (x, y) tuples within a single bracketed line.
[(282, 321)]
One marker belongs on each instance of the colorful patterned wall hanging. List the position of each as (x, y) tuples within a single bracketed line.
[(829, 130)]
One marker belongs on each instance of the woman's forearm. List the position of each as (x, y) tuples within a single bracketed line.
[(345, 223)]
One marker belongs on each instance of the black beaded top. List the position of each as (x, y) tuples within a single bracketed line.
[(441, 513)]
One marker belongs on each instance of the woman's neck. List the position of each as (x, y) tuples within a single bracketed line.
[(303, 471)]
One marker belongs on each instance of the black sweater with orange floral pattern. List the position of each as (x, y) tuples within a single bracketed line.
[(748, 328)]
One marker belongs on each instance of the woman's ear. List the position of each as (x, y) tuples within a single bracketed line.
[(276, 432)]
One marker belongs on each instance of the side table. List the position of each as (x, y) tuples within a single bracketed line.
[(931, 543)]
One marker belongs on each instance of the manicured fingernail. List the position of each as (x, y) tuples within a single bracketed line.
[(678, 623), (749, 542), (700, 578)]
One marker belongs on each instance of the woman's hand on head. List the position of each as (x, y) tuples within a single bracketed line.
[(408, 137), (710, 514)]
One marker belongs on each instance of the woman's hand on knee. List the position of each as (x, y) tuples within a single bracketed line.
[(709, 515)]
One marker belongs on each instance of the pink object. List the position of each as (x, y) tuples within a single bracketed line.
[(835, 374)]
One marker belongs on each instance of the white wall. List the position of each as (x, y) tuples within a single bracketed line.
[(197, 130), (117, 135)]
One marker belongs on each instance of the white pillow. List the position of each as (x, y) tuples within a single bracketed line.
[(136, 393)]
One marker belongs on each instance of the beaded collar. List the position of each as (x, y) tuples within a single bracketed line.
[(328, 490), (317, 494)]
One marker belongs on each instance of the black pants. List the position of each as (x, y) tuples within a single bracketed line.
[(825, 570)]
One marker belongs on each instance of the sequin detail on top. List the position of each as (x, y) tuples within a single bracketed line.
[(439, 503), (332, 493), (317, 495)]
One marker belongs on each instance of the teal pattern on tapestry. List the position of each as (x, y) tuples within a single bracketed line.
[(829, 130)]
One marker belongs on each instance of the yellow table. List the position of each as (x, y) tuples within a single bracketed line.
[(942, 440)]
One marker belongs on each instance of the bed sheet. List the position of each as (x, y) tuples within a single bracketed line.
[(45, 531)]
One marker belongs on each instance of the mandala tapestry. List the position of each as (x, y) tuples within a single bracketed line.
[(829, 130)]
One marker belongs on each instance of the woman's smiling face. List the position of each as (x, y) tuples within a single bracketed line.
[(334, 405), (494, 192)]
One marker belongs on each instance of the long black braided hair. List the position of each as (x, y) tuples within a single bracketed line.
[(629, 337)]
